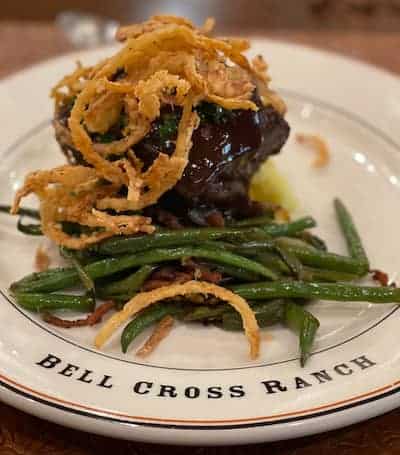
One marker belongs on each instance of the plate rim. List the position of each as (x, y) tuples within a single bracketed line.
[(379, 406)]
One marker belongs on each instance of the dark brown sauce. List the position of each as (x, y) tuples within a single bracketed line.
[(224, 157), (216, 145)]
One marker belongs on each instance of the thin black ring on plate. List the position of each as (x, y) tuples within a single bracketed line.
[(305, 98), (93, 415)]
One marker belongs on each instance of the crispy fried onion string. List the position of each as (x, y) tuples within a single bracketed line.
[(69, 193), (318, 146), (104, 111), (155, 22), (69, 176), (81, 138), (145, 299)]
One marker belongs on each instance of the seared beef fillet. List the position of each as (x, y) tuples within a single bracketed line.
[(228, 148), (225, 156)]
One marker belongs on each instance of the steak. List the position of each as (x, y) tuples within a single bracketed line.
[(228, 148)]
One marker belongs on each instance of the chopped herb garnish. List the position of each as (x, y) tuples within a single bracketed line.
[(213, 113), (168, 127), (105, 138), (114, 133)]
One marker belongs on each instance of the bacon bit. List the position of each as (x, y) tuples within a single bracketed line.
[(163, 328), (168, 219), (91, 319), (380, 277), (205, 217), (201, 272), (42, 259), (215, 219), (64, 323), (151, 284), (282, 215), (317, 144), (208, 275), (98, 313), (178, 278), (164, 273), (166, 276)]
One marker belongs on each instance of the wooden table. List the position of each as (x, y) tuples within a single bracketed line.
[(364, 29)]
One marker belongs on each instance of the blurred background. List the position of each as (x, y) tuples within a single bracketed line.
[(366, 29), (33, 30)]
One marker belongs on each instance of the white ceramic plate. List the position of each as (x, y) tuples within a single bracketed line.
[(200, 387)]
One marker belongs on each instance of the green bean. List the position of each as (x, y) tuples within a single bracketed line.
[(219, 256), (166, 238), (312, 240), (235, 272), (60, 278), (84, 257), (278, 230), (313, 290), (255, 248), (325, 260), (87, 282), (131, 284), (293, 263), (32, 213), (175, 238), (68, 277), (39, 302), (255, 221), (220, 245), (307, 255), (313, 274), (349, 230), (145, 319), (296, 242), (305, 324), (29, 229), (5, 209), (267, 313), (29, 281), (272, 261), (207, 312)]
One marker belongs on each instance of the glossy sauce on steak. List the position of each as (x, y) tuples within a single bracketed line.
[(224, 157)]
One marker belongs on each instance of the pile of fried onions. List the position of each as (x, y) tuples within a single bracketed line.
[(164, 61)]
